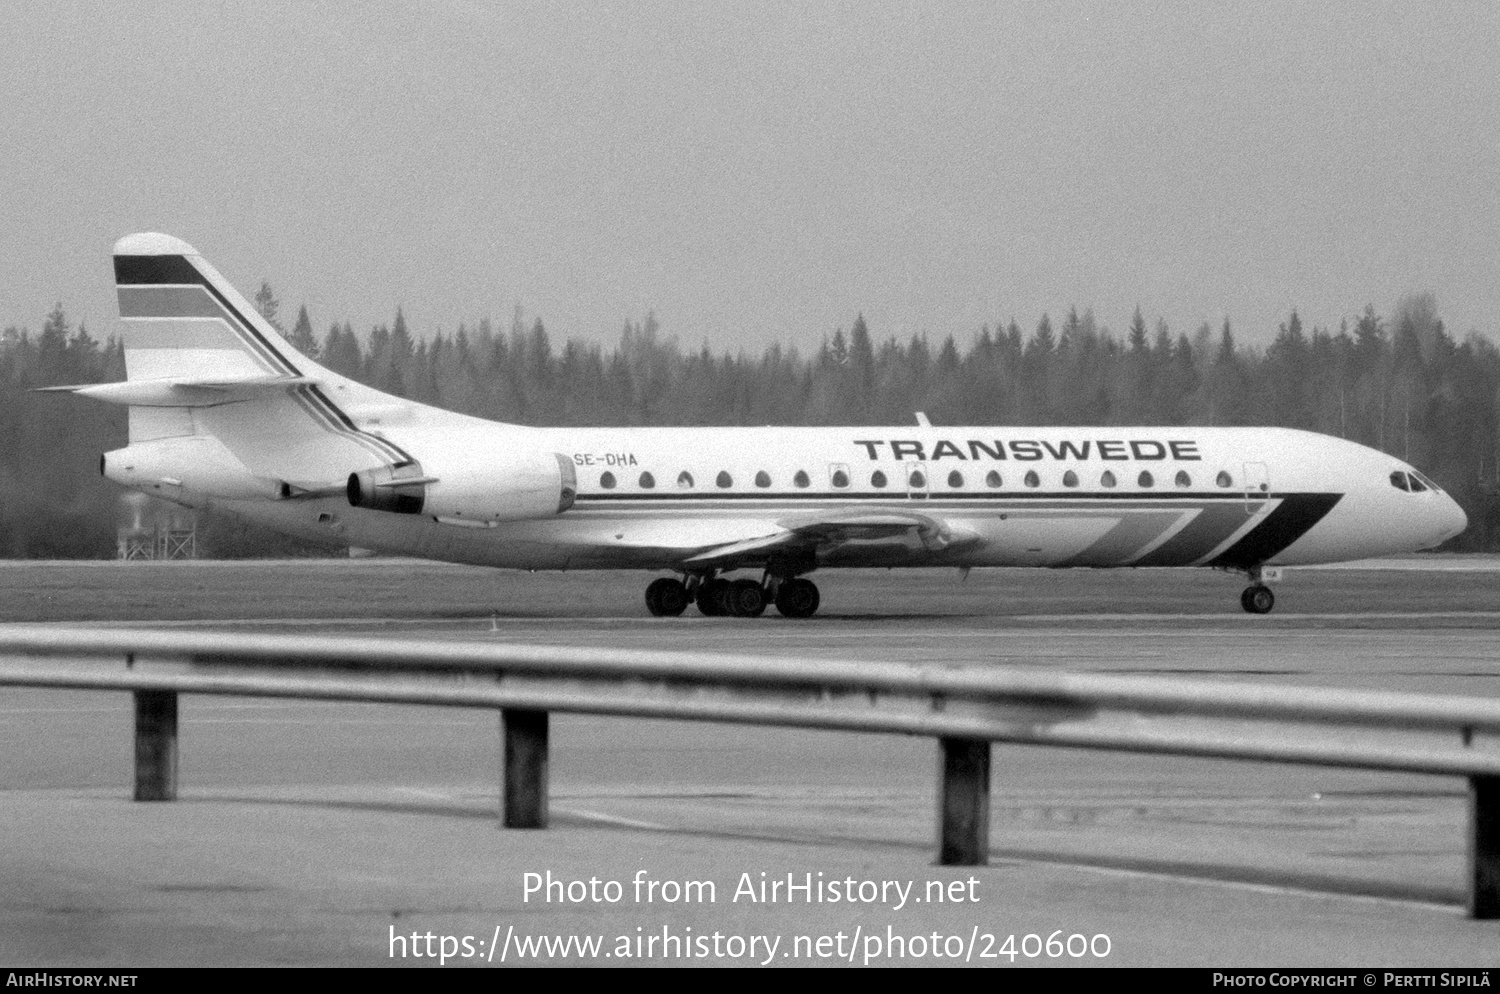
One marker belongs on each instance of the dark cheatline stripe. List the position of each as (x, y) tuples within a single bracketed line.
[(1210, 529), (1135, 528), (145, 270), (1283, 526), (327, 413), (900, 497)]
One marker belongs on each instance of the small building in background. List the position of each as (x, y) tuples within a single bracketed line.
[(155, 529)]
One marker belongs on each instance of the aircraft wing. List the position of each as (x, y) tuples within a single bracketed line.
[(835, 527)]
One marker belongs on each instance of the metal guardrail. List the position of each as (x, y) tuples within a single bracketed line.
[(965, 709)]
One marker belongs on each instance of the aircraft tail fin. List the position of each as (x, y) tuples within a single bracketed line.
[(200, 360), (181, 320)]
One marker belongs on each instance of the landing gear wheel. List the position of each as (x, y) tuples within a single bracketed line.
[(797, 598), (711, 597), (666, 597), (1258, 599), (747, 599)]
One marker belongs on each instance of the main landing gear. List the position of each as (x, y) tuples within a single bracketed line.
[(716, 596), (1257, 598), (667, 597)]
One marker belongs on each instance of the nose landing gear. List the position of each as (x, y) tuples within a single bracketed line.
[(1257, 598)]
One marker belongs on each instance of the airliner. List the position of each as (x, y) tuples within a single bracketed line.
[(224, 414)]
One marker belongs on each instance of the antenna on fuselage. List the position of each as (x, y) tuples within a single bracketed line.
[(922, 421)]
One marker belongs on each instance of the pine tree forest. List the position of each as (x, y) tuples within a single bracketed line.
[(1398, 382)]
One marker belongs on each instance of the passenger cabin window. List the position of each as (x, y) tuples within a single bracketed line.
[(877, 479), (1032, 480), (1107, 480), (955, 479), (607, 480), (1070, 479), (801, 479), (992, 478), (762, 479), (1183, 480), (1224, 479), (685, 480), (840, 478), (647, 481), (1145, 479), (724, 479), (917, 478)]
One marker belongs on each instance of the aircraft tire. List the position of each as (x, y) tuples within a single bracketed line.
[(666, 597), (797, 598), (711, 600), (747, 599), (1258, 599)]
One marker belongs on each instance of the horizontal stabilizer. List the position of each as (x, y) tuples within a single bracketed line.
[(179, 392)]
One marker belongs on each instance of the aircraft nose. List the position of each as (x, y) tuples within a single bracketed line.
[(1454, 519)]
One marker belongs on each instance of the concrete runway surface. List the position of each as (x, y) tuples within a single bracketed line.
[(313, 833)]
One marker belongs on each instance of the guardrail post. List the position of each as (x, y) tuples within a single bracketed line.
[(525, 788), (1484, 847), (156, 745), (964, 802)]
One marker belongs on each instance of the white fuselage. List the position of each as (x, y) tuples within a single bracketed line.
[(649, 498), (224, 413)]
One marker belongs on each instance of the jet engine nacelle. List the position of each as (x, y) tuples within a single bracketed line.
[(194, 464), (477, 489)]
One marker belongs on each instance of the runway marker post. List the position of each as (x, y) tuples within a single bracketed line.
[(525, 786), (1484, 847), (963, 802), (155, 745)]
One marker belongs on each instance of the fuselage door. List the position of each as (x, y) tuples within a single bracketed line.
[(1257, 486), (916, 479)]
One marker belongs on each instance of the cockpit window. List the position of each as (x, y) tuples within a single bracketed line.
[(1409, 482), (1427, 480)]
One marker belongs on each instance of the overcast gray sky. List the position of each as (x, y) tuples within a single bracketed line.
[(760, 172)]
